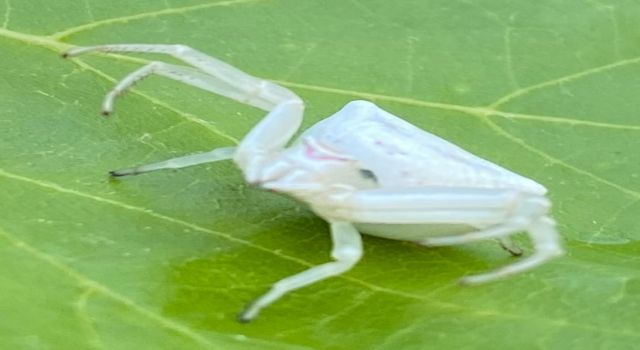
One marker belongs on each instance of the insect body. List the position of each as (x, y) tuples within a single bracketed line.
[(362, 169)]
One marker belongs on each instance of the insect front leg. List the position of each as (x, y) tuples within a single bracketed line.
[(347, 250), (266, 138), (222, 79), (503, 212)]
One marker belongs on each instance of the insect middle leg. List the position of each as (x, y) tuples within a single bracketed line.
[(217, 154), (347, 250)]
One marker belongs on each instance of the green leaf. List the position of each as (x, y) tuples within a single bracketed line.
[(165, 261)]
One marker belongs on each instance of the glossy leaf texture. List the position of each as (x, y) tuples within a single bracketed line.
[(548, 89)]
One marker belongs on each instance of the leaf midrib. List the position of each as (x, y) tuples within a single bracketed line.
[(481, 112)]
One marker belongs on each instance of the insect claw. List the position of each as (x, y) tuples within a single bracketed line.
[(465, 281), (243, 316), (510, 247), (515, 251), (120, 173), (249, 313)]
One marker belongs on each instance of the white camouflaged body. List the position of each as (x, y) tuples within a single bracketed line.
[(402, 155)]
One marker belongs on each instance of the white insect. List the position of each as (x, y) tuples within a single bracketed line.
[(362, 169)]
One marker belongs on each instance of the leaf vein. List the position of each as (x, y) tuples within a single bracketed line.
[(7, 14), (80, 308), (554, 160), (509, 57), (57, 46), (187, 116), (562, 80), (104, 290), (470, 110), (180, 328), (164, 12)]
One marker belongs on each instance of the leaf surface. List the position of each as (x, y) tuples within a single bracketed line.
[(165, 261)]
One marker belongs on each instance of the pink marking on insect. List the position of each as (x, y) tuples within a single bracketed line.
[(314, 151)]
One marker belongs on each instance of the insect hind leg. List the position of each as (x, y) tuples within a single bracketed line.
[(498, 232), (546, 245)]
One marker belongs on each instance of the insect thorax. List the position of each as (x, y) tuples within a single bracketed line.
[(309, 170)]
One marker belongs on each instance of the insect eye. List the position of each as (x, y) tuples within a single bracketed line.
[(368, 174)]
